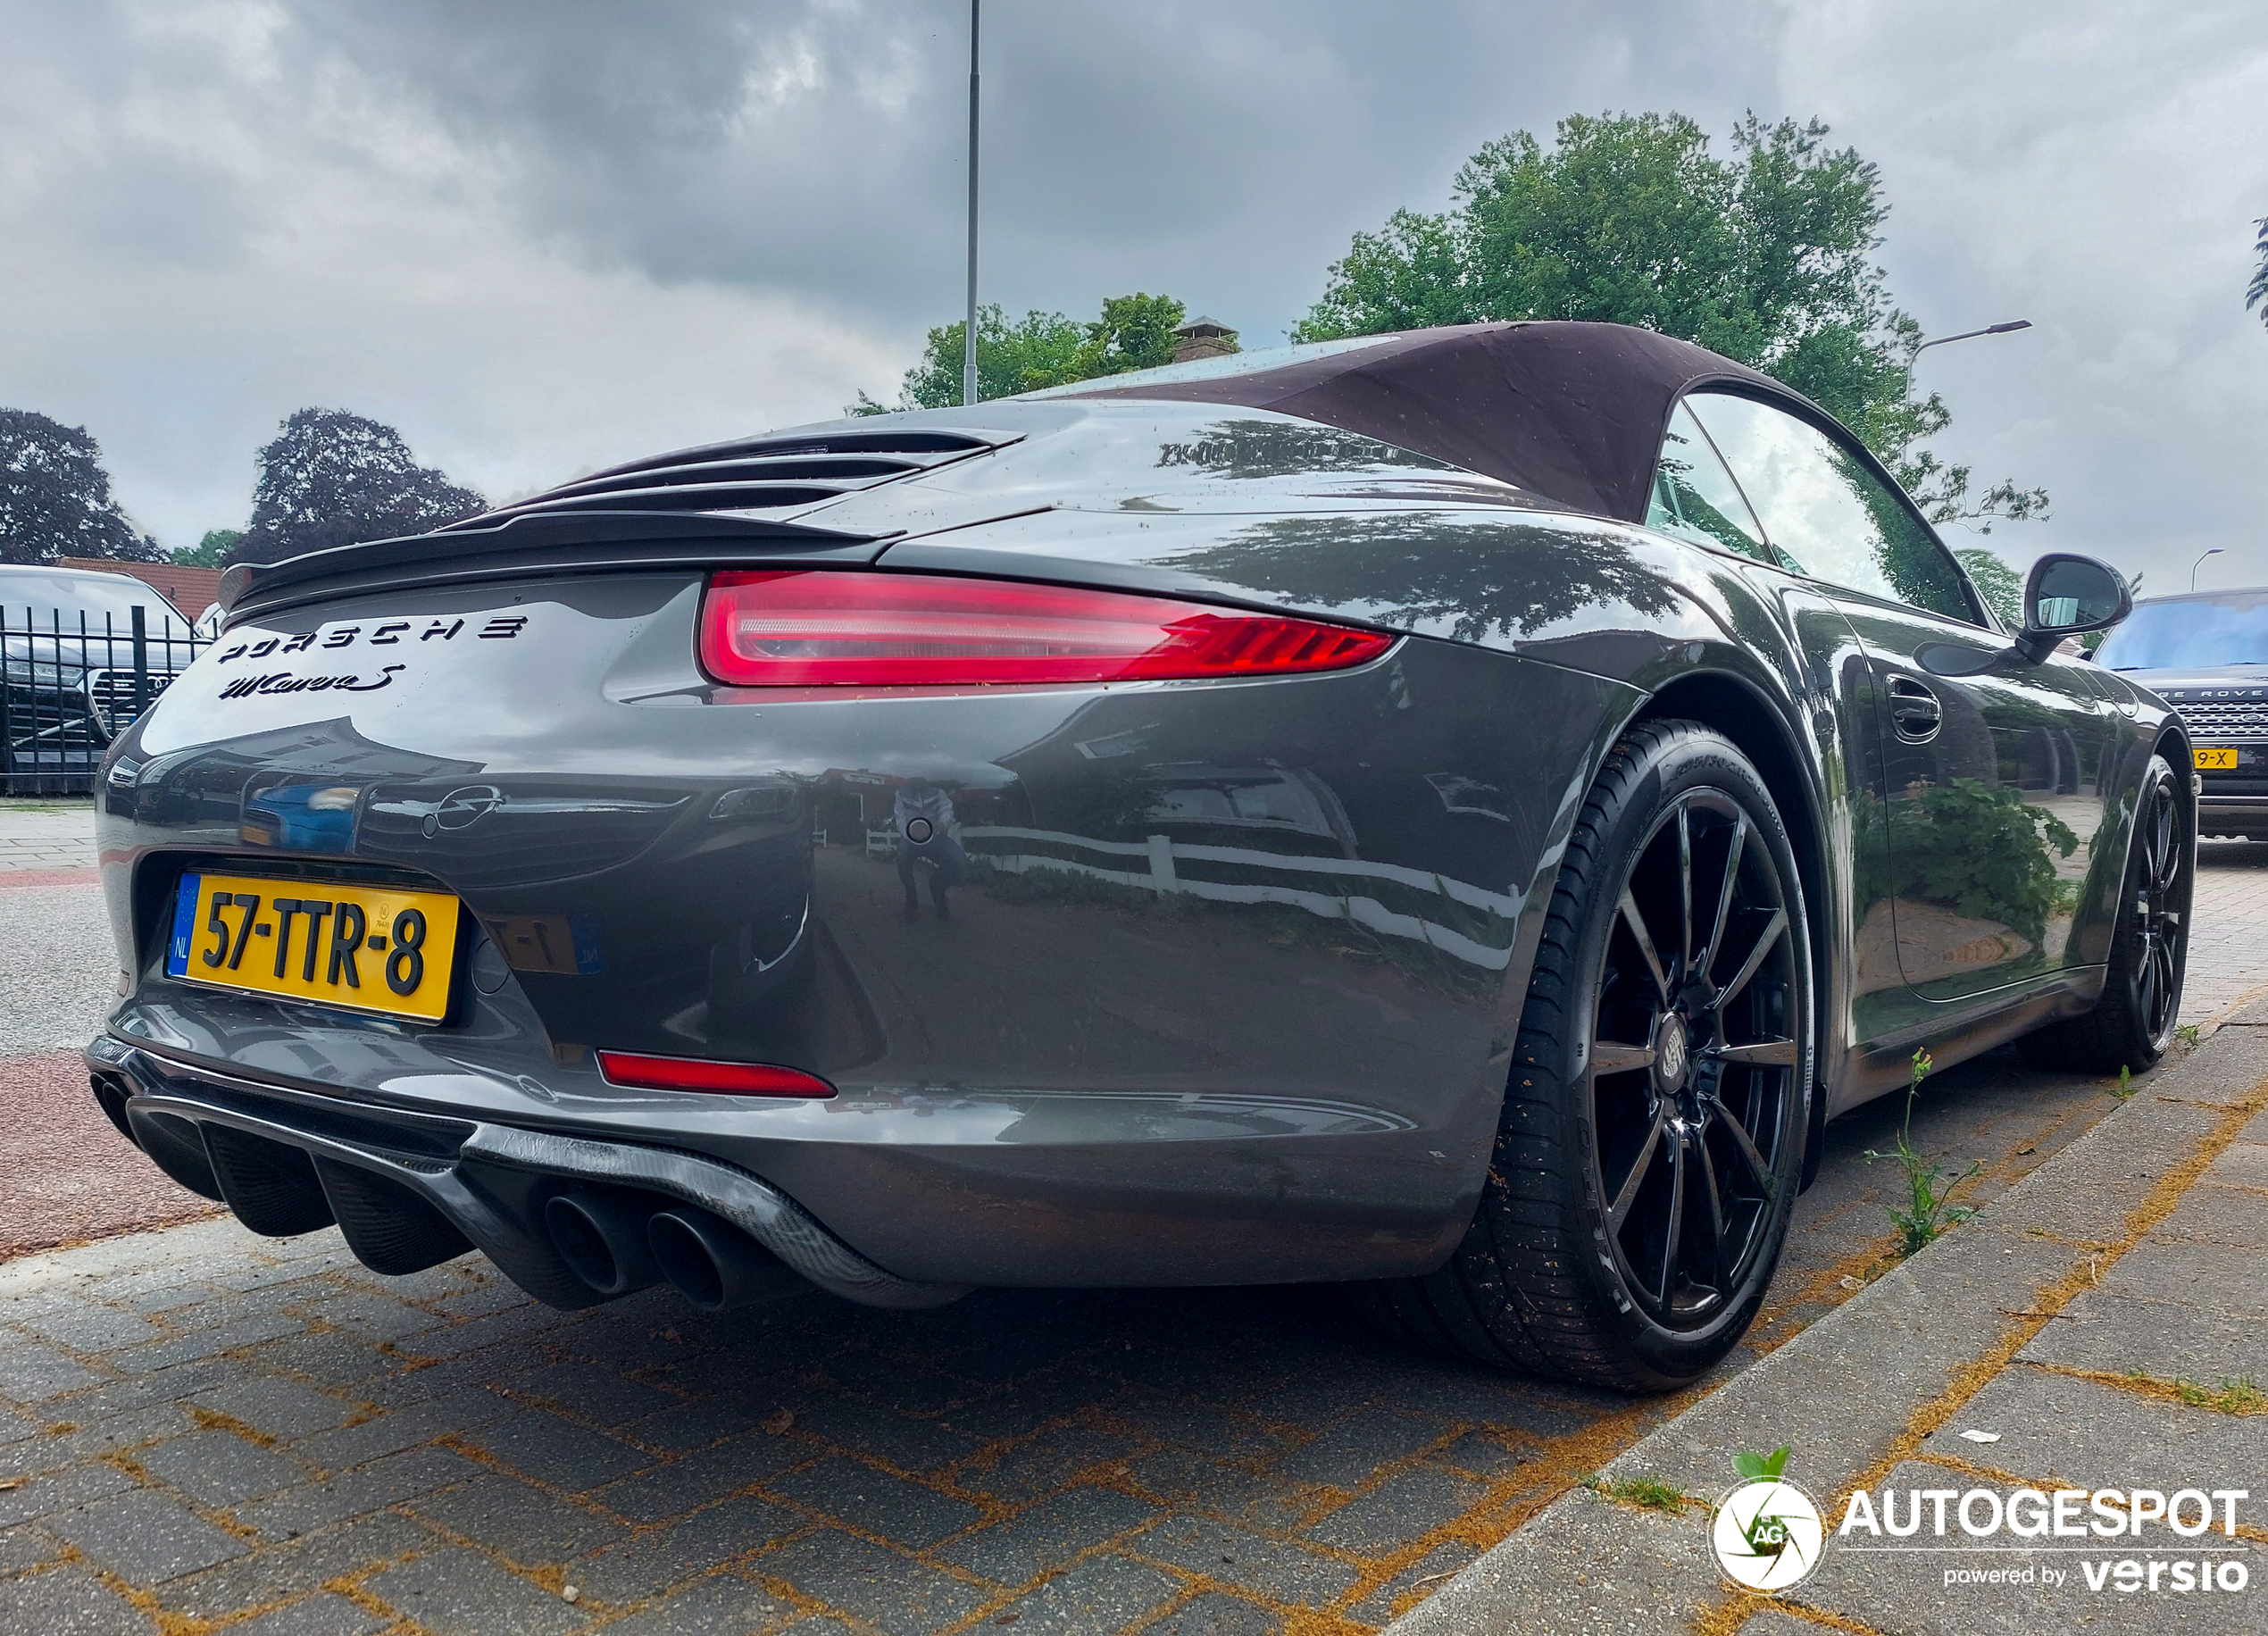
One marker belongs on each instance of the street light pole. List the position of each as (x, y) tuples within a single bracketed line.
[(969, 326), (2199, 563), (1966, 335)]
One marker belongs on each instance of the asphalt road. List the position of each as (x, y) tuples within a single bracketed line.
[(266, 1419)]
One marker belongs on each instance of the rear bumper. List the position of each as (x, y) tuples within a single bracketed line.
[(410, 1189), (893, 1198), (2222, 814)]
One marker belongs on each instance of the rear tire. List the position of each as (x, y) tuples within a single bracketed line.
[(1653, 1132), (2133, 1023)]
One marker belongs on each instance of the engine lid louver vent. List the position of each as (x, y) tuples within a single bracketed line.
[(728, 502), (761, 474)]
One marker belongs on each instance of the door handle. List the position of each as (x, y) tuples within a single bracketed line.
[(1914, 711)]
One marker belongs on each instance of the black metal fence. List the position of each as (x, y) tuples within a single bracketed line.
[(71, 681)]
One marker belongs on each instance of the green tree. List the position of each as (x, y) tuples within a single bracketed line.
[(2257, 294), (1999, 583), (211, 551), (1038, 350), (330, 478), (1134, 332), (1765, 257), (54, 496)]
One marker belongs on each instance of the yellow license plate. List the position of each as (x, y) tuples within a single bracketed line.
[(2213, 761), (366, 947)]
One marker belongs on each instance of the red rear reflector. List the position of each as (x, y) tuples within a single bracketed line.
[(629, 1069), (832, 627)]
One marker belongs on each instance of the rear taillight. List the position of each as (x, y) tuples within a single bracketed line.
[(639, 1072), (838, 628)]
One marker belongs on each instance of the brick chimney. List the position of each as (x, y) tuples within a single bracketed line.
[(1203, 338)]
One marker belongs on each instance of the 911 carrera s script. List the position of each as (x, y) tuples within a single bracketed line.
[(284, 682)]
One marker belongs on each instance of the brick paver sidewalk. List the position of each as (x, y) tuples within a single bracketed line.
[(212, 1428), (2229, 928), (47, 835)]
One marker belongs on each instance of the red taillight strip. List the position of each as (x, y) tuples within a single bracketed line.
[(637, 1072), (868, 628)]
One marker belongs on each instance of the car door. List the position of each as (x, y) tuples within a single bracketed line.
[(1990, 781), (1696, 497)]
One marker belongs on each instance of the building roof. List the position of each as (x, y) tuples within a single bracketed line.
[(1571, 412), (190, 590), (1199, 327)]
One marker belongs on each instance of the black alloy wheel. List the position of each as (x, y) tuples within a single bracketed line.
[(1693, 1061), (1652, 1142), (2132, 1025)]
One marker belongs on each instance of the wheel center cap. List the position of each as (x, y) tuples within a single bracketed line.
[(1671, 1052)]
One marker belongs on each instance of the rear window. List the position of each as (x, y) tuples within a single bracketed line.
[(2193, 634)]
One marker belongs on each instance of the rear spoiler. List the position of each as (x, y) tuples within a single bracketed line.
[(535, 543)]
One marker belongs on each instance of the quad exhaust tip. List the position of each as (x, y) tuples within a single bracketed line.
[(602, 1238), (714, 1265)]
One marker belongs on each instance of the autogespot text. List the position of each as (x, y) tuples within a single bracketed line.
[(2158, 1524)]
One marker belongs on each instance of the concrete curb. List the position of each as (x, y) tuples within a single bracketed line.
[(1860, 1385)]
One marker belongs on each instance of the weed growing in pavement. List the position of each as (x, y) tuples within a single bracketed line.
[(1758, 1467), (2241, 1395), (1929, 1215), (1643, 1492), (2125, 1083), (2187, 1037)]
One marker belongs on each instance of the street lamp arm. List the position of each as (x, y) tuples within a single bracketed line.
[(1971, 335)]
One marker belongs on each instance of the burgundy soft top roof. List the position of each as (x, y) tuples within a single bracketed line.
[(1571, 412)]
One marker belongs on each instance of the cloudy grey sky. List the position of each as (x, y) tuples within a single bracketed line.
[(543, 235)]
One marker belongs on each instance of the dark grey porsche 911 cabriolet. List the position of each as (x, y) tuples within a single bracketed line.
[(1450, 813)]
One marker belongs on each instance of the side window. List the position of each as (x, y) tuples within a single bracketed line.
[(1696, 498), (1826, 512)]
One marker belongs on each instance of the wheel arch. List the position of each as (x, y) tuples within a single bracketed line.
[(2172, 742), (1734, 708)]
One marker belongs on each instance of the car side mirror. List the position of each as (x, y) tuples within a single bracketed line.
[(2067, 596)]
